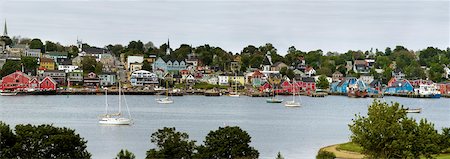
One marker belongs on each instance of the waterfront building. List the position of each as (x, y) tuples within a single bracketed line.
[(417, 83), (57, 75), (17, 81), (401, 86), (47, 84), (444, 87), (306, 84), (343, 86), (310, 71), (75, 77), (108, 79), (34, 83), (143, 78), (239, 79), (91, 80), (47, 63), (257, 78)]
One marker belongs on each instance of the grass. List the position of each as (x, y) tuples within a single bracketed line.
[(353, 147), (350, 146)]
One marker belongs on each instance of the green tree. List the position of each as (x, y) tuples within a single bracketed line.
[(227, 142), (89, 64), (283, 71), (171, 144), (50, 46), (47, 141), (323, 83), (6, 40), (29, 64), (386, 132), (7, 141), (125, 154), (436, 72), (386, 75), (146, 66), (290, 73), (382, 62), (37, 44), (9, 67)]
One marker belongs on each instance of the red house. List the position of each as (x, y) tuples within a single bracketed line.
[(34, 83), (47, 84), (265, 87), (286, 86), (444, 87), (307, 85), (17, 81)]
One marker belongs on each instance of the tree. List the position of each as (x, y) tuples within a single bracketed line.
[(386, 132), (47, 141), (6, 40), (323, 83), (436, 72), (89, 64), (37, 44), (29, 64), (7, 141), (146, 66), (171, 144), (227, 142), (290, 73), (283, 71), (9, 67), (125, 155)]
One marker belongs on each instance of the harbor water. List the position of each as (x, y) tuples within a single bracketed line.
[(295, 132)]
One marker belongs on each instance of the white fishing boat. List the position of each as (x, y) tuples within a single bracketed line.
[(292, 103), (115, 118), (8, 93), (429, 90), (165, 100), (157, 88)]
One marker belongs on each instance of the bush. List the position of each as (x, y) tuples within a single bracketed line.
[(325, 155)]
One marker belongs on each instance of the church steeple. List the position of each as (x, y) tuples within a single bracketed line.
[(5, 32), (168, 47)]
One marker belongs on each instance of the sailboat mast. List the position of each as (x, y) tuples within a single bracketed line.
[(293, 91), (106, 100), (120, 99)]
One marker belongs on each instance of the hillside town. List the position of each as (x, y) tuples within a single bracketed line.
[(29, 65)]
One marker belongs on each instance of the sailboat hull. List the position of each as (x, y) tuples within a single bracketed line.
[(115, 121), (164, 101), (234, 95), (292, 104), (274, 100)]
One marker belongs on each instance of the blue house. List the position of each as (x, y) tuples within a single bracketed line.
[(402, 86), (341, 87)]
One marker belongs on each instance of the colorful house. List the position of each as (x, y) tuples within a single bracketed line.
[(47, 63), (307, 85), (34, 83), (257, 78), (266, 87), (342, 87), (17, 81), (401, 86), (47, 84), (444, 87)]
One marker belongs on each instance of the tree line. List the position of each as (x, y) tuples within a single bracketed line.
[(48, 141)]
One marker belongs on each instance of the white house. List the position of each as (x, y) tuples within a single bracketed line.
[(213, 80), (67, 66), (134, 59), (366, 78), (223, 79)]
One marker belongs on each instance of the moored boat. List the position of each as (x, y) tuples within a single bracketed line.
[(274, 100)]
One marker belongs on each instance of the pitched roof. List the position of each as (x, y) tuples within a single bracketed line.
[(360, 62), (43, 59), (337, 73)]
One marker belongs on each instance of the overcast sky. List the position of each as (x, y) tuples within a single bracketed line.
[(330, 25)]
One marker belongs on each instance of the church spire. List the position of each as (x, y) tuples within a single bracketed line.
[(5, 32), (168, 47)]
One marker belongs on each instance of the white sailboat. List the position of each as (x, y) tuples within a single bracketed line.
[(115, 118), (235, 93), (292, 103), (165, 100)]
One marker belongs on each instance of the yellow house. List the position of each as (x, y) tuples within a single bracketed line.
[(240, 79), (47, 63)]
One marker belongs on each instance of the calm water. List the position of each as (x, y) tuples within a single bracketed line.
[(295, 132)]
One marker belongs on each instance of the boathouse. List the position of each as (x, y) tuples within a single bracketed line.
[(401, 86), (47, 84), (17, 81)]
